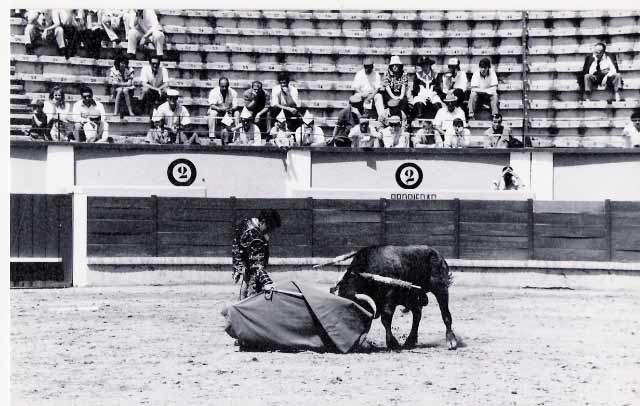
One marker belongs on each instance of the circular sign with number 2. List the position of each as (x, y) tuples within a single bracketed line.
[(181, 172), (409, 176)]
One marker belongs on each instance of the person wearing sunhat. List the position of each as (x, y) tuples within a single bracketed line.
[(443, 120), (364, 135), (309, 134), (366, 83), (89, 116), (395, 86), (426, 101), (393, 135), (247, 133), (38, 130), (453, 80), (280, 134), (173, 120), (347, 119)]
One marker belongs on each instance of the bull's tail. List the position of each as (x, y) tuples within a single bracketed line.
[(337, 259)]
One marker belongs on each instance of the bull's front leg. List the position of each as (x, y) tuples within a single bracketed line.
[(412, 339), (386, 316)]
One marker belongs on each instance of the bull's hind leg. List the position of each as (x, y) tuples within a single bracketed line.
[(412, 339), (442, 295), (386, 315)]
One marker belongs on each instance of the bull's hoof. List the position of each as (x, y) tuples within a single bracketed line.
[(452, 342), (410, 344), (393, 345)]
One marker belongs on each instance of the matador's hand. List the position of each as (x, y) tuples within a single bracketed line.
[(237, 276)]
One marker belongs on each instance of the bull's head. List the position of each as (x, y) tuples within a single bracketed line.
[(348, 286)]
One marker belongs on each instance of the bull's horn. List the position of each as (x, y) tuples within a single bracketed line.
[(369, 301), (337, 259)]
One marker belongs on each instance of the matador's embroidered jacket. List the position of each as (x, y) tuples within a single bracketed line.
[(250, 252)]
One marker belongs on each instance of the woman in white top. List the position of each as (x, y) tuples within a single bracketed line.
[(58, 113)]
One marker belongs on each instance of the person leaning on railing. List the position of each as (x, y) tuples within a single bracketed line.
[(631, 132), (172, 123), (58, 112), (90, 118), (38, 130)]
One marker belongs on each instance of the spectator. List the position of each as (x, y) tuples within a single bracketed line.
[(247, 133), (90, 31), (112, 21), (445, 116), (144, 29), (426, 101), (285, 98), (484, 88), (508, 180), (222, 101), (395, 86), (427, 136), (121, 77), (631, 132), (601, 68), (64, 28), (366, 84), (255, 100), (33, 32), (38, 128), (393, 135), (308, 134), (396, 110), (90, 118), (457, 136), (280, 134), (500, 136), (453, 80), (155, 81), (364, 136), (348, 118), (173, 120), (58, 113)]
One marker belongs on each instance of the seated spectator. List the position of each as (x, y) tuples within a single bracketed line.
[(90, 31), (427, 136), (508, 180), (366, 84), (58, 113), (39, 129), (174, 121), (90, 118), (395, 86), (395, 110), (484, 88), (280, 134), (155, 81), (33, 32), (453, 80), (393, 135), (457, 136), (364, 135), (144, 28), (64, 29), (284, 97), (348, 118), (255, 100), (443, 120), (112, 21), (308, 134), (426, 101), (499, 136), (222, 102), (631, 132), (121, 78), (247, 133), (601, 69)]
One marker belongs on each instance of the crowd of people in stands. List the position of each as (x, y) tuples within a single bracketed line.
[(381, 111)]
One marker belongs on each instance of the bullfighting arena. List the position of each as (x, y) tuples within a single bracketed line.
[(165, 345)]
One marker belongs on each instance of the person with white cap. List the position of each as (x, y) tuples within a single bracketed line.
[(395, 86), (347, 119), (308, 134), (284, 97), (443, 120), (366, 83), (393, 135), (247, 133), (173, 121), (453, 80), (365, 135), (426, 101), (89, 116), (222, 102), (280, 134)]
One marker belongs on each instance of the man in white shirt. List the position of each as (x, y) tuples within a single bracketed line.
[(247, 133), (155, 81), (600, 69), (222, 102), (457, 136), (484, 88), (393, 136), (631, 132), (308, 134), (443, 120), (453, 80), (284, 97), (144, 28), (366, 84), (173, 120), (90, 118)]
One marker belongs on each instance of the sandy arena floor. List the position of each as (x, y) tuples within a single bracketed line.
[(164, 345)]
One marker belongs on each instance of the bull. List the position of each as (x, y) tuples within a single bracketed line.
[(416, 269)]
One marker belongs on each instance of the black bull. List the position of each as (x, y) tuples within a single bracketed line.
[(419, 265)]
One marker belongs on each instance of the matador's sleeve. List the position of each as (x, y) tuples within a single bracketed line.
[(257, 248)]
